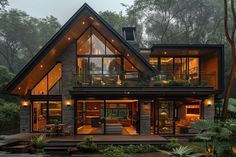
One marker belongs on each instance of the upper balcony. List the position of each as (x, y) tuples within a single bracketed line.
[(132, 80), (186, 67)]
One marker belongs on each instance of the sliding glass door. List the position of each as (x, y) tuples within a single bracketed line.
[(45, 112), (90, 117), (107, 117), (162, 117)]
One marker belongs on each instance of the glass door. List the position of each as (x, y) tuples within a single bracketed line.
[(45, 112), (90, 117), (164, 115)]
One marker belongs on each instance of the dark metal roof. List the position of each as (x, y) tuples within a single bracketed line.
[(47, 47), (186, 46)]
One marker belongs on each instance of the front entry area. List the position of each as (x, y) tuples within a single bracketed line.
[(107, 117)]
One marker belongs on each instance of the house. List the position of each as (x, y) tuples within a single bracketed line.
[(100, 82)]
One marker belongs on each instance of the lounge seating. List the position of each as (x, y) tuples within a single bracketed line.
[(114, 128)]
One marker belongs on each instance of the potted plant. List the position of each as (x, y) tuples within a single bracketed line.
[(87, 146)]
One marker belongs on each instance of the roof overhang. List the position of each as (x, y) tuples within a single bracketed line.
[(141, 92), (48, 56), (185, 49)]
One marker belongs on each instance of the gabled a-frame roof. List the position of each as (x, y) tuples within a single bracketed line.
[(65, 28)]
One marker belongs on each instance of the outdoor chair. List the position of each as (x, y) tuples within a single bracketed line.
[(67, 130), (49, 130)]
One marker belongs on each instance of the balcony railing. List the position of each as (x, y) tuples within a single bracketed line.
[(133, 80)]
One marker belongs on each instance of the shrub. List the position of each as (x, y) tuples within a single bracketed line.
[(112, 151), (38, 142), (173, 144), (183, 151), (87, 145), (9, 117), (139, 149)]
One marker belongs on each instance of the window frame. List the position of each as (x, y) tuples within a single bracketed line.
[(46, 75), (47, 112), (105, 55)]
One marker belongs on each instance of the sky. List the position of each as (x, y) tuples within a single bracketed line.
[(64, 9)]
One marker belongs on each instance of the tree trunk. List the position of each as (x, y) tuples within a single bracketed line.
[(231, 40), (228, 90)]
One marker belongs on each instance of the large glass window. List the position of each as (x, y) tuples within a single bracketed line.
[(46, 112), (154, 62), (50, 84), (90, 117), (41, 88), (122, 115), (95, 64), (166, 111), (167, 65), (84, 44), (178, 69), (107, 116), (188, 112), (39, 115), (169, 116), (193, 68), (101, 64), (98, 43), (54, 112)]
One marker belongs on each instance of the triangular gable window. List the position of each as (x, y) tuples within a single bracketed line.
[(50, 84), (99, 62), (99, 46)]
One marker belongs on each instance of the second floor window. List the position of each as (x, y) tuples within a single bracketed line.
[(50, 84), (99, 62)]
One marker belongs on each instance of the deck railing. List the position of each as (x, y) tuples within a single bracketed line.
[(133, 80)]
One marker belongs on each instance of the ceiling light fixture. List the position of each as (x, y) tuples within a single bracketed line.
[(69, 38), (83, 22), (112, 40), (91, 18), (41, 66)]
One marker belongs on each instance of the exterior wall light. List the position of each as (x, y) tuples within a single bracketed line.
[(209, 102), (68, 102), (234, 150), (25, 103)]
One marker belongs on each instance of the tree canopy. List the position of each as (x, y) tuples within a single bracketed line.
[(22, 35)]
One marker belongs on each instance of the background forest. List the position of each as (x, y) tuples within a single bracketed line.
[(157, 21)]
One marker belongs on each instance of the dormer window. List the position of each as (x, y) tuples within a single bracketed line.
[(129, 33)]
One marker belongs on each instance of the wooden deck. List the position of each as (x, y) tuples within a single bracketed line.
[(113, 139), (62, 143)]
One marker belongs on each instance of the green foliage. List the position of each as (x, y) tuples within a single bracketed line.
[(117, 21), (21, 36), (113, 151), (38, 142), (5, 75), (183, 151), (173, 144), (218, 136), (232, 105), (87, 145), (189, 25), (139, 149), (9, 117)]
